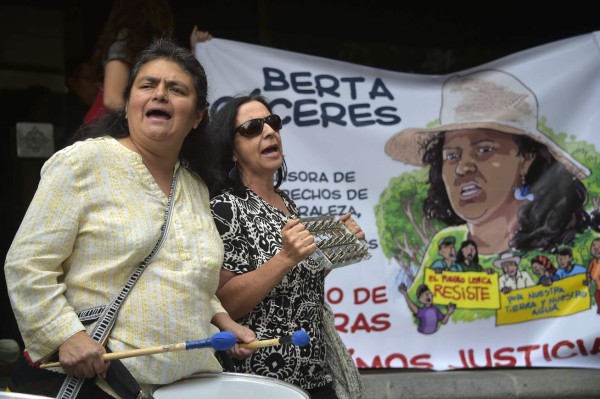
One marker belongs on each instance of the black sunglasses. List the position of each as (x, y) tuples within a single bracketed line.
[(254, 127)]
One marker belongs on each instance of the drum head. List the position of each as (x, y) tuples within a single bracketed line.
[(229, 385)]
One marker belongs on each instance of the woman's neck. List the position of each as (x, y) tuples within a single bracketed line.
[(493, 235), (264, 189), (161, 165)]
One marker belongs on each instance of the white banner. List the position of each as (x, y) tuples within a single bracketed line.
[(354, 139)]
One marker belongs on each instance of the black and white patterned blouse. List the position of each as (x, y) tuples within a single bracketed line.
[(251, 232)]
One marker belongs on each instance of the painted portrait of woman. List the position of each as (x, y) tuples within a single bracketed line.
[(493, 174)]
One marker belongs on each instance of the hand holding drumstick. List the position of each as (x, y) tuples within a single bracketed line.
[(219, 341)]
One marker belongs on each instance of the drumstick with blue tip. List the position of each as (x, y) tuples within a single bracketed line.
[(220, 341), (299, 338)]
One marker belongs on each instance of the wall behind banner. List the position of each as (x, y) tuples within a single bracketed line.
[(401, 36)]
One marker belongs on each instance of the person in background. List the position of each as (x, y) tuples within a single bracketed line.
[(101, 205), (83, 84), (80, 81), (268, 281), (131, 26)]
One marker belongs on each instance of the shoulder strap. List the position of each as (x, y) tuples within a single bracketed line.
[(107, 319)]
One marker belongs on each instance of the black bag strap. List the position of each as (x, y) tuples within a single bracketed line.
[(121, 380), (108, 317)]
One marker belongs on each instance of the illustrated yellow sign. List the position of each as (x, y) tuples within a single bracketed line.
[(468, 290), (562, 298)]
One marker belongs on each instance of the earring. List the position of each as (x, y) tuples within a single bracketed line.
[(522, 193), (233, 172)]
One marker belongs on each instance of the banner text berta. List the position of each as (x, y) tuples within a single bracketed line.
[(310, 112)]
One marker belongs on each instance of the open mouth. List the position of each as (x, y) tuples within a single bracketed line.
[(270, 149), (158, 114), (469, 190)]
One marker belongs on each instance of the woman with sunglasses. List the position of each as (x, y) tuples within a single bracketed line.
[(268, 282)]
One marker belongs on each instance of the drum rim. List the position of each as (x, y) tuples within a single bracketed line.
[(240, 375)]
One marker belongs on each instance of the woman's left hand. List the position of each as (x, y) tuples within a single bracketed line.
[(243, 335), (352, 226)]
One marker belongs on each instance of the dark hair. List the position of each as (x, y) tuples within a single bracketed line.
[(565, 251), (421, 289), (546, 262), (114, 124), (460, 258), (554, 217), (222, 139), (136, 23)]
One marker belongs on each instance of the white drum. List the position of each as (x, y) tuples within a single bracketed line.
[(229, 385)]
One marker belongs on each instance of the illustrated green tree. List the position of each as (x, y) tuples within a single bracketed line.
[(586, 154), (404, 232)]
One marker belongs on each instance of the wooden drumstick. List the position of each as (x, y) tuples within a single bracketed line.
[(220, 341), (299, 338)]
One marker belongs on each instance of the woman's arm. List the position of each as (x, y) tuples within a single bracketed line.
[(33, 265), (116, 74), (240, 293)]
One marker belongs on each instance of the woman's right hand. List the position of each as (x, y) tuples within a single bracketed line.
[(81, 357), (297, 242)]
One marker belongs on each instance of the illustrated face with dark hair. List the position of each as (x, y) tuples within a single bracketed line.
[(538, 269), (595, 249), (563, 260), (510, 268), (426, 298), (162, 104), (469, 251), (480, 170), (262, 154), (447, 251)]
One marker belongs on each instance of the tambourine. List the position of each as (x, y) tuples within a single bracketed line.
[(336, 245)]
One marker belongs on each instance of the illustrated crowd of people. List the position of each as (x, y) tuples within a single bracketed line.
[(514, 276), (514, 272)]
